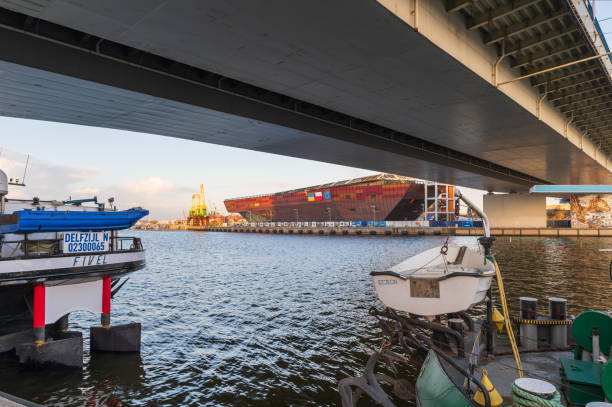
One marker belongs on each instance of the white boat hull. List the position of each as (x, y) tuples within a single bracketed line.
[(424, 285)]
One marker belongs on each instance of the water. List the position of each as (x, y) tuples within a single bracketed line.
[(265, 320)]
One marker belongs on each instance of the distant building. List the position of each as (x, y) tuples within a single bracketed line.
[(375, 198)]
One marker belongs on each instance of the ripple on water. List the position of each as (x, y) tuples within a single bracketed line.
[(246, 319)]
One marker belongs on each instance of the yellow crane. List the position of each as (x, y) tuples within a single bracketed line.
[(198, 203)]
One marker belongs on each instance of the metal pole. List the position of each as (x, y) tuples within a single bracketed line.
[(554, 68), (496, 66), (329, 211)]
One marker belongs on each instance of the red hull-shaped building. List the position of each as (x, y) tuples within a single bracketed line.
[(376, 198)]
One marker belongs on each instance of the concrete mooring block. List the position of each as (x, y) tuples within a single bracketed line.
[(117, 338), (66, 352)]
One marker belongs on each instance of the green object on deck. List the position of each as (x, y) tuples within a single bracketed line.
[(583, 381), (522, 398), (582, 330), (606, 379), (435, 389)]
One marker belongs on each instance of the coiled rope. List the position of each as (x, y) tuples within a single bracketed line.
[(522, 398)]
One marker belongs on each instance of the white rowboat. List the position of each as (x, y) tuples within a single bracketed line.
[(433, 283)]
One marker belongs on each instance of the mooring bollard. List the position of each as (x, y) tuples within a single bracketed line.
[(557, 308), (529, 332), (457, 325)]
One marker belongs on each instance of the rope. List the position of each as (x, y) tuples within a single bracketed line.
[(521, 398), (509, 330)]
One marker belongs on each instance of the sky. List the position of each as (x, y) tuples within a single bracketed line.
[(137, 169), (155, 172)]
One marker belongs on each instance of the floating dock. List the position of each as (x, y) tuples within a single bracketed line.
[(6, 400)]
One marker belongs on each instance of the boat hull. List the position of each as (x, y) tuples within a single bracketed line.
[(432, 283), (456, 294), (18, 276), (435, 389), (70, 266)]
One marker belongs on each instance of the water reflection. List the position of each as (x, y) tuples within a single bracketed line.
[(245, 319)]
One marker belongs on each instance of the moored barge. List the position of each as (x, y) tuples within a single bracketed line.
[(57, 257)]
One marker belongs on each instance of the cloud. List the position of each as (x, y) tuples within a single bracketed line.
[(162, 196), (43, 179), (48, 181), (151, 186), (86, 191)]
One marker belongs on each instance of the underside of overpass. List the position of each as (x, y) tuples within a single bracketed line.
[(396, 86)]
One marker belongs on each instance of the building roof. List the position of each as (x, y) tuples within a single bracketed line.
[(372, 179)]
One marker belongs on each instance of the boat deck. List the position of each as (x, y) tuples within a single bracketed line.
[(538, 365), (501, 367)]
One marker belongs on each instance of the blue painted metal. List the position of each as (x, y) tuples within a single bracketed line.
[(57, 221), (571, 189)]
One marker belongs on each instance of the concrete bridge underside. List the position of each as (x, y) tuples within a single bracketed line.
[(343, 82)]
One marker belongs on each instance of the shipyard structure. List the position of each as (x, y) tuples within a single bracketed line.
[(377, 198)]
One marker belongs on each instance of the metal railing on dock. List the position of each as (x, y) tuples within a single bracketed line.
[(407, 231)]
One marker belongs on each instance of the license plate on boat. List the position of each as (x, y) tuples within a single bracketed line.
[(82, 242)]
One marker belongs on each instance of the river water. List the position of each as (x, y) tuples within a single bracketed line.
[(249, 319)]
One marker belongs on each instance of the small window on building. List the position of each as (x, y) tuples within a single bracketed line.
[(347, 197), (373, 196), (352, 209)]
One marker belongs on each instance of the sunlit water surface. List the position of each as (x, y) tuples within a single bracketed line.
[(251, 319)]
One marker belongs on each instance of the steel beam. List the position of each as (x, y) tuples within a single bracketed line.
[(592, 124), (587, 113), (521, 46), (566, 73), (498, 35), (604, 127), (456, 5), (556, 63), (541, 55), (492, 14), (581, 100), (582, 105), (579, 91), (577, 83)]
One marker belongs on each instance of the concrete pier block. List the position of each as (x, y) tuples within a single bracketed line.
[(67, 352), (117, 338), (9, 342)]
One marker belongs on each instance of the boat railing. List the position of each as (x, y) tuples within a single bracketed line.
[(52, 247)]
